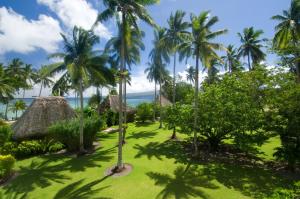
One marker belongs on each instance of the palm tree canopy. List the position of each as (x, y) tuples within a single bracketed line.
[(199, 42), (190, 74), (231, 59), (159, 54), (288, 29), (251, 44), (6, 85)]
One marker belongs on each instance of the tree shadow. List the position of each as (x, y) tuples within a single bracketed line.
[(186, 182), (142, 135), (168, 149), (35, 175), (252, 181), (144, 124), (79, 191), (14, 196)]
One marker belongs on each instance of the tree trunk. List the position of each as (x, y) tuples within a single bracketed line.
[(122, 66), (196, 105), (81, 149), (249, 64), (125, 112), (23, 93), (6, 110), (160, 106), (41, 89), (154, 110), (174, 92), (16, 114)]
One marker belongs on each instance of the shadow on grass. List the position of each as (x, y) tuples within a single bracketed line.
[(251, 181), (142, 135), (42, 174), (14, 196), (79, 191), (144, 124), (186, 182), (168, 149)]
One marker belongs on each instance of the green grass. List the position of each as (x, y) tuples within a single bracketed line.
[(160, 170)]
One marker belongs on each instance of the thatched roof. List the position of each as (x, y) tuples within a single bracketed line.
[(164, 101), (114, 104), (42, 112)]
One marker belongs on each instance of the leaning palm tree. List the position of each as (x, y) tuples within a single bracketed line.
[(190, 74), (43, 78), (287, 35), (81, 64), (251, 46), (176, 32), (200, 46), (130, 11)]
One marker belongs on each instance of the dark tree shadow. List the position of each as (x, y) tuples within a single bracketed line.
[(35, 175), (14, 196), (187, 182), (79, 191), (250, 180), (168, 149), (142, 135), (144, 124)]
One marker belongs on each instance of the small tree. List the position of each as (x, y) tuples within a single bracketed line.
[(144, 112)]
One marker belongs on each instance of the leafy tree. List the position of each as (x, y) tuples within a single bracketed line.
[(199, 45), (144, 112), (81, 64), (130, 11), (251, 46)]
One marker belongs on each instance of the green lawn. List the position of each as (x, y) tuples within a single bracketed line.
[(160, 170)]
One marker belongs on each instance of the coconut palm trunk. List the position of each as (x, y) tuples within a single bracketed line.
[(6, 110), (23, 93), (196, 105), (174, 92), (125, 112), (249, 64), (122, 66), (81, 145), (41, 89), (154, 110), (160, 106)]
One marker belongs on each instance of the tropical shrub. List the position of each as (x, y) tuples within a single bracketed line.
[(5, 134), (184, 92), (112, 118), (144, 112), (29, 148), (67, 132), (7, 163)]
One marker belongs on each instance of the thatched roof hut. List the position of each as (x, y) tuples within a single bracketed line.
[(112, 102), (42, 112), (164, 101)]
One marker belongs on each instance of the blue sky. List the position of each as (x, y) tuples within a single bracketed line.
[(32, 29)]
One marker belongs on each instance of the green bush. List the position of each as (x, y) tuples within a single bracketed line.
[(2, 122), (144, 112), (112, 118), (29, 148), (5, 134), (67, 132), (7, 163)]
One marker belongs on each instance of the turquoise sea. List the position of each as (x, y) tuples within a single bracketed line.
[(132, 100)]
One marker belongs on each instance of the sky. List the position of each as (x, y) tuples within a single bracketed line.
[(30, 29)]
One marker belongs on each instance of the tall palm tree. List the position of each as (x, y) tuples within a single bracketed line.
[(19, 105), (29, 77), (288, 32), (176, 32), (231, 59), (199, 45), (81, 64), (16, 71), (213, 71), (251, 46), (190, 74), (43, 78), (130, 11)]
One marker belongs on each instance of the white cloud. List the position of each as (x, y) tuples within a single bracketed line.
[(140, 83), (18, 34), (76, 12)]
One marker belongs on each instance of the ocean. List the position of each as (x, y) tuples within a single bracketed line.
[(132, 100)]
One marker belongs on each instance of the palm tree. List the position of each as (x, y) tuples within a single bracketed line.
[(133, 45), (176, 32), (43, 78), (157, 72), (190, 74), (231, 59), (16, 71), (251, 46), (81, 64), (29, 77), (288, 31), (212, 71), (19, 105), (130, 11), (199, 45), (7, 88)]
